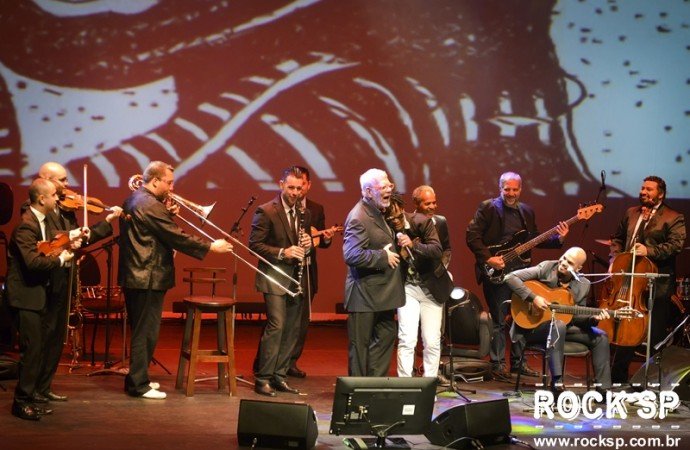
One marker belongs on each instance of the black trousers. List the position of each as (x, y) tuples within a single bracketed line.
[(279, 337), (55, 329), (31, 352), (144, 310), (372, 337), (496, 296)]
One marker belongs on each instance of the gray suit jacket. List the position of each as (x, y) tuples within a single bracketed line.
[(547, 273), (370, 285)]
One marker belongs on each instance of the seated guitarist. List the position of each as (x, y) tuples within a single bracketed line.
[(496, 221), (582, 329)]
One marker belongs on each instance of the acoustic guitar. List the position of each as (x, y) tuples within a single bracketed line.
[(513, 249), (529, 316)]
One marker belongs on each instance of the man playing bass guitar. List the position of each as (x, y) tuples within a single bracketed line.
[(582, 329), (496, 221)]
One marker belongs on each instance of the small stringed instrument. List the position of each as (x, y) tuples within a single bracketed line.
[(512, 250), (529, 316), (316, 234)]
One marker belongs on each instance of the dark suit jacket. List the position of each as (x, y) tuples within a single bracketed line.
[(370, 285), (443, 236), (664, 236), (28, 271), (147, 242), (66, 221), (318, 221), (486, 229), (428, 253), (271, 232)]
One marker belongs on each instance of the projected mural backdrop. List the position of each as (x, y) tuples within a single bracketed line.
[(449, 93)]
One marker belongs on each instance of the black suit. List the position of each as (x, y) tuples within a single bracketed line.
[(664, 236), (270, 233), (444, 236), (28, 291), (59, 302), (318, 221), (488, 228), (373, 291), (146, 270)]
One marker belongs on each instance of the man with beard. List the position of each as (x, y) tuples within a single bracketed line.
[(504, 220), (374, 284), (278, 235), (582, 329), (655, 231)]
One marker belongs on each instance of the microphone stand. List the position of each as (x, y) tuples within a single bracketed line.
[(236, 231), (651, 277), (452, 389)]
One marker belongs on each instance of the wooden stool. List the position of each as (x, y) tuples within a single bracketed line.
[(224, 354)]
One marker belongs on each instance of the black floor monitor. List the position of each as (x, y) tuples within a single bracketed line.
[(382, 407)]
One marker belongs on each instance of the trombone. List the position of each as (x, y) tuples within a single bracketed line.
[(202, 212)]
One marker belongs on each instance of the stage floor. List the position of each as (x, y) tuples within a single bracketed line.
[(99, 414)]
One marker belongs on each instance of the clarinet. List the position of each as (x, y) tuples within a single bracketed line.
[(302, 263)]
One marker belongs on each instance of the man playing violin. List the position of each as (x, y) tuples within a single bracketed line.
[(582, 329), (655, 231), (56, 319), (30, 291), (318, 221), (146, 268)]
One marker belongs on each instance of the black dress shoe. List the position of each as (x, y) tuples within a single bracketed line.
[(264, 388), (53, 397), (296, 372), (282, 386), (25, 411), (43, 410), (39, 398)]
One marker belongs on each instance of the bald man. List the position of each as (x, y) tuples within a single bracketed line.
[(582, 329), (56, 321)]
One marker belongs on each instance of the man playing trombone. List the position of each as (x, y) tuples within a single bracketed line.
[(147, 270), (278, 235)]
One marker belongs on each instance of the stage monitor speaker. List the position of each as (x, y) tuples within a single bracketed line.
[(276, 425), (487, 422), (675, 372)]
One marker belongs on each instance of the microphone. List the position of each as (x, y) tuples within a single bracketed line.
[(603, 180), (574, 274), (409, 249)]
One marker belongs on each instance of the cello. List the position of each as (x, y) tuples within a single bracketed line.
[(627, 291)]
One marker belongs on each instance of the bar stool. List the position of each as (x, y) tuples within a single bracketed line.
[(224, 353)]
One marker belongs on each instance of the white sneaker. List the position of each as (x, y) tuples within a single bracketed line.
[(155, 394), (154, 385)]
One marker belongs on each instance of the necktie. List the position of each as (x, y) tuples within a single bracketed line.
[(44, 229), (293, 221)]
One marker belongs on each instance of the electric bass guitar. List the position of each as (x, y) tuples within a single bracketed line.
[(529, 316), (513, 250)]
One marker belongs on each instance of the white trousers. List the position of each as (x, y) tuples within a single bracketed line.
[(419, 305)]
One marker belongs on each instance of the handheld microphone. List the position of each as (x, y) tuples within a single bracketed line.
[(409, 248), (603, 180), (574, 274)]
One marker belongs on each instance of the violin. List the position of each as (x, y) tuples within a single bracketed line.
[(55, 246), (71, 201)]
